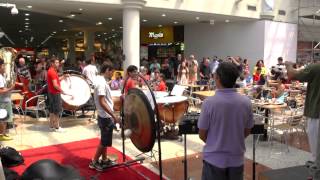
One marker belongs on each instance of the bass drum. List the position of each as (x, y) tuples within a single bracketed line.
[(78, 90)]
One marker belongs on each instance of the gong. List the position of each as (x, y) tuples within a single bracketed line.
[(139, 118)]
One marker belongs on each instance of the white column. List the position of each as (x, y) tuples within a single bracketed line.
[(88, 39), (131, 32)]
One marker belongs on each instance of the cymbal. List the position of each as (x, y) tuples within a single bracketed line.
[(140, 119)]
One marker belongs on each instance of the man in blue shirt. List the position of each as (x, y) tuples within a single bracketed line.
[(225, 121)]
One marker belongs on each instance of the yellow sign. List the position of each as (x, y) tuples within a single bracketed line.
[(157, 35)]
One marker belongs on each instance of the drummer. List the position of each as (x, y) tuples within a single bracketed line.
[(106, 118), (54, 95)]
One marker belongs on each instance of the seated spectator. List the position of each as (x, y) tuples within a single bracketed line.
[(257, 75), (116, 83)]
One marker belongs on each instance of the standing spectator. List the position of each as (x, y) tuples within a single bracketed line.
[(193, 69), (311, 75), (214, 65), (165, 69), (183, 73), (225, 121), (41, 71), (155, 65), (205, 70), (90, 71)]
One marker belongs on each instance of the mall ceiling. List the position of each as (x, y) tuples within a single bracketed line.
[(61, 20)]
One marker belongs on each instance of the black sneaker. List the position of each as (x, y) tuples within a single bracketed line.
[(107, 163), (95, 165), (309, 164)]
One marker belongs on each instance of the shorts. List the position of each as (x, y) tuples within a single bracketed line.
[(8, 107), (55, 103), (210, 171), (106, 126)]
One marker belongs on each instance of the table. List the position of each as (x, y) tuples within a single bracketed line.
[(204, 94), (193, 87), (268, 108)]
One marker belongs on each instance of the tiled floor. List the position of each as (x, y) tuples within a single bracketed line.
[(35, 133)]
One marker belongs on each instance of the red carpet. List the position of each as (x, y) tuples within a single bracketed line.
[(78, 154)]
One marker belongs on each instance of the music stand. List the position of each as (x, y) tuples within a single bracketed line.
[(157, 129)]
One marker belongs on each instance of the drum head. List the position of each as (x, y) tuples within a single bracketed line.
[(139, 118), (3, 114), (77, 87), (171, 99)]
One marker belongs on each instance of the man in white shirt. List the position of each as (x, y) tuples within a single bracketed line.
[(106, 117), (90, 71)]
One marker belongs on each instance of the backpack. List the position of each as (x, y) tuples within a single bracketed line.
[(10, 157)]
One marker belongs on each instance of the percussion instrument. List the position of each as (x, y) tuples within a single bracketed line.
[(3, 114), (8, 54), (139, 120), (172, 108), (116, 95), (78, 90)]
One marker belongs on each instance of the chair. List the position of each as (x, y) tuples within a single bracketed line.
[(292, 121), (40, 106)]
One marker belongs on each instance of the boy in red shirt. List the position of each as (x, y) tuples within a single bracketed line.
[(257, 75), (132, 77), (162, 84)]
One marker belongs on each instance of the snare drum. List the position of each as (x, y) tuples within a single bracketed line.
[(78, 90), (172, 108), (116, 94)]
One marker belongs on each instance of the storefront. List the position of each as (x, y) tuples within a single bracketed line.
[(161, 42)]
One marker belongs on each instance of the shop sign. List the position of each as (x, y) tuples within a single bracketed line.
[(154, 35)]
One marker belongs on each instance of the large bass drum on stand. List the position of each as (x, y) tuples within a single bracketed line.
[(78, 89)]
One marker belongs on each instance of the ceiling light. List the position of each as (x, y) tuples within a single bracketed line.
[(29, 7), (64, 30), (20, 31), (144, 20), (109, 18), (54, 32), (197, 18), (113, 36), (105, 39), (80, 9), (27, 19), (27, 14), (120, 27), (113, 30), (26, 26), (26, 23), (227, 20), (98, 35), (159, 25), (99, 23), (163, 15), (60, 20), (175, 22), (72, 15), (105, 33)]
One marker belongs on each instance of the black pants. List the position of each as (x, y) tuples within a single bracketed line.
[(211, 172)]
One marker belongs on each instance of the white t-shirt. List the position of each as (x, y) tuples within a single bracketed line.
[(91, 72), (102, 89), (3, 84)]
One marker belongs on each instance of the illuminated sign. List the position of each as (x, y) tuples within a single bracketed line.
[(154, 35)]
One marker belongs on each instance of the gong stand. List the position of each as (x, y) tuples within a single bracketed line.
[(157, 129)]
